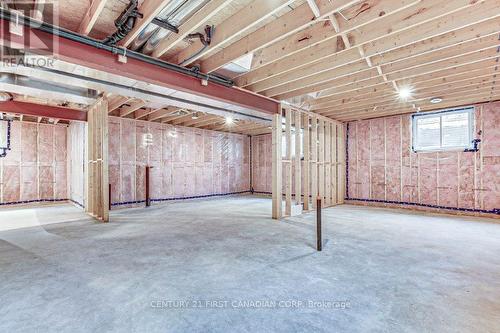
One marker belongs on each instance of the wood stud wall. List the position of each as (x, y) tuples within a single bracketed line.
[(321, 172), (97, 203)]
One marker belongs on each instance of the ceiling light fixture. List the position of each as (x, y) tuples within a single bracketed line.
[(436, 100), (405, 93), (229, 120)]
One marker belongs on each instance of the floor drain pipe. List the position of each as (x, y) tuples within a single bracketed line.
[(319, 240)]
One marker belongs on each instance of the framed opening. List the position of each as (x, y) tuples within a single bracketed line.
[(450, 129)]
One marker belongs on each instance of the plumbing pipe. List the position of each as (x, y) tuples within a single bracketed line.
[(60, 32)]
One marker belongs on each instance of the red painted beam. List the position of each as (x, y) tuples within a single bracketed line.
[(99, 59), (38, 110)]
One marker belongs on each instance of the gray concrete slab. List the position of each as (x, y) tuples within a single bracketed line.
[(163, 269)]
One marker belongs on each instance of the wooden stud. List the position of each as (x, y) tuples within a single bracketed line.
[(277, 210), (314, 159), (288, 161), (341, 158), (328, 164), (333, 167), (307, 162), (298, 158), (321, 160)]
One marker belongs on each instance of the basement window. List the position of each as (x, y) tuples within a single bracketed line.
[(450, 129)]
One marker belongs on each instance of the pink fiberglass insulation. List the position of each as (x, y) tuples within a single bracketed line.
[(76, 142), (35, 169), (382, 165), (186, 162)]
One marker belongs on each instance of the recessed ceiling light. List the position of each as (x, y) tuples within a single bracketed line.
[(436, 100), (229, 120)]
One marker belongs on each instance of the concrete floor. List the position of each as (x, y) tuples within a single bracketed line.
[(151, 270)]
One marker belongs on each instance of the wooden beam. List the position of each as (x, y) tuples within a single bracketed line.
[(334, 179), (314, 8), (95, 9), (367, 35), (288, 161), (390, 95), (118, 102), (297, 159), (141, 113), (149, 9), (251, 15), (357, 15), (463, 13), (341, 163), (132, 108), (422, 103), (314, 160), (447, 40), (315, 83), (307, 162), (285, 25), (97, 203), (198, 19), (334, 74), (277, 208), (162, 113)]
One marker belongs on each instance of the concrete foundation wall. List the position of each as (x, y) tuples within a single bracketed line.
[(35, 169), (186, 161), (382, 165)]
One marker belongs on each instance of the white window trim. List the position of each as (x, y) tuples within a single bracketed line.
[(470, 110)]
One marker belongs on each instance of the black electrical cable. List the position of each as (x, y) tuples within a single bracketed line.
[(63, 33)]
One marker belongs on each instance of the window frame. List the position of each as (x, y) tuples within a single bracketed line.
[(470, 110)]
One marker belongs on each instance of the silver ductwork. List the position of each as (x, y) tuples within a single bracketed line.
[(176, 13), (85, 79), (24, 85)]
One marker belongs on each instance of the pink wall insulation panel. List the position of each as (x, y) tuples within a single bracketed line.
[(76, 143), (35, 169), (186, 161), (382, 165)]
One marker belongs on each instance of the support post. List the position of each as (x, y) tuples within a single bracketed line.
[(148, 197), (307, 163), (319, 240), (288, 162), (277, 167), (109, 197), (97, 155), (298, 159)]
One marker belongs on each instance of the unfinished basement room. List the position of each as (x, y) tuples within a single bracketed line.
[(250, 166)]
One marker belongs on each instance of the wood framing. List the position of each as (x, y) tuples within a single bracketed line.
[(277, 206), (202, 16), (319, 174), (288, 161), (149, 9), (97, 161), (95, 9), (243, 20)]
